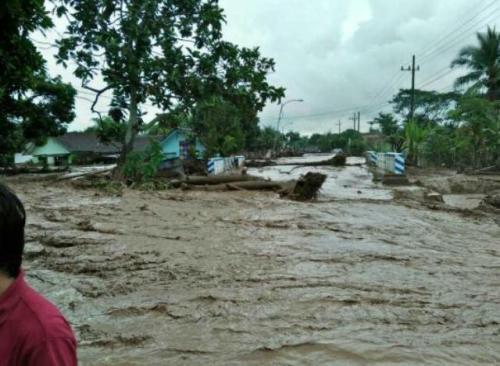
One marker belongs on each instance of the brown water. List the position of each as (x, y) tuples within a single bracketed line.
[(250, 279)]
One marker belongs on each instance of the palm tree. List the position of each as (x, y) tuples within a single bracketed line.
[(483, 61)]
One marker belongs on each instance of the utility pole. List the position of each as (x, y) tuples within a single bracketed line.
[(354, 119), (359, 121), (412, 68), (280, 116)]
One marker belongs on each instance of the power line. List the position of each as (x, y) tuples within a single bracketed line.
[(436, 78), (454, 30), (338, 112), (43, 43), (83, 98), (446, 87), (455, 41), (459, 37), (387, 90)]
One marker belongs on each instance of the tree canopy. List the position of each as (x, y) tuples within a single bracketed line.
[(483, 61), (430, 106), (168, 53), (33, 104)]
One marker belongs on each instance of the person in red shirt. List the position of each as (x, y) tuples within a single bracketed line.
[(32, 330)]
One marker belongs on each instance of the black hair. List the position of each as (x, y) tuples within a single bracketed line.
[(12, 222)]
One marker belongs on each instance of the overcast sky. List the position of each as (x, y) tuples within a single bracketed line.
[(340, 56)]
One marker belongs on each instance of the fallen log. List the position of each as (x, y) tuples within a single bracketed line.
[(304, 189), (240, 186), (259, 163), (214, 180), (492, 200), (30, 170), (337, 160), (308, 186), (86, 174), (491, 170)]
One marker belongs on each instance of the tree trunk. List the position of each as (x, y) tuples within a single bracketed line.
[(304, 189), (242, 185), (131, 132), (215, 180)]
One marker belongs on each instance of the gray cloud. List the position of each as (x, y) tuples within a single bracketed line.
[(341, 55)]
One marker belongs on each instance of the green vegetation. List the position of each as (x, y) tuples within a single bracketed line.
[(453, 129), (141, 167), (33, 105), (350, 141), (169, 54), (484, 64)]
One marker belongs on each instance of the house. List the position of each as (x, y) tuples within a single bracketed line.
[(79, 148), (177, 145), (373, 137), (52, 153), (86, 148)]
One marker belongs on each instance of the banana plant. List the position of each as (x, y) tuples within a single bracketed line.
[(414, 137)]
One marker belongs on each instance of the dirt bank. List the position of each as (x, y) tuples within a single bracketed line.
[(446, 181), (240, 278)]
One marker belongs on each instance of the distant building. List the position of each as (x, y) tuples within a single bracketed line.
[(373, 137), (86, 148), (177, 145), (79, 148)]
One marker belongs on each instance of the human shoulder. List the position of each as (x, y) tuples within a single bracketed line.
[(42, 320)]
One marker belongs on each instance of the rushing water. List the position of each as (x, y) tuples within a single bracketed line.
[(250, 279), (353, 181)]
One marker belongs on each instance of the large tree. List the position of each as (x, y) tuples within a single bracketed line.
[(479, 127), (168, 53), (33, 105), (431, 107), (483, 61), (218, 124), (389, 126)]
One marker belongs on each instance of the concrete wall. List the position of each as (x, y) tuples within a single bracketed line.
[(22, 159), (216, 166), (391, 163)]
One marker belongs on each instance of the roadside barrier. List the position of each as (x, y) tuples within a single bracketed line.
[(391, 162), (372, 157), (399, 164), (220, 165)]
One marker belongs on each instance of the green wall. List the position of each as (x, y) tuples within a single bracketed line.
[(51, 147)]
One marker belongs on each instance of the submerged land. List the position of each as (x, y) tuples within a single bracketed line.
[(366, 274)]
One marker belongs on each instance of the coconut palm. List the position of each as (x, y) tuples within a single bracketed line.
[(483, 61)]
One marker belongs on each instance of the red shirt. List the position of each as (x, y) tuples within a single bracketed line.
[(32, 331)]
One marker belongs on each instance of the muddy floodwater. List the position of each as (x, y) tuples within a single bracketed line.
[(195, 278)]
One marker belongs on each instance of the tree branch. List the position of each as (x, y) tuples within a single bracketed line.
[(98, 94), (154, 121)]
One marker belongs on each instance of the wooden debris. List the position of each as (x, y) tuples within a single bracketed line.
[(240, 186), (86, 174), (337, 160), (308, 186), (304, 189), (492, 200), (214, 180), (259, 163)]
